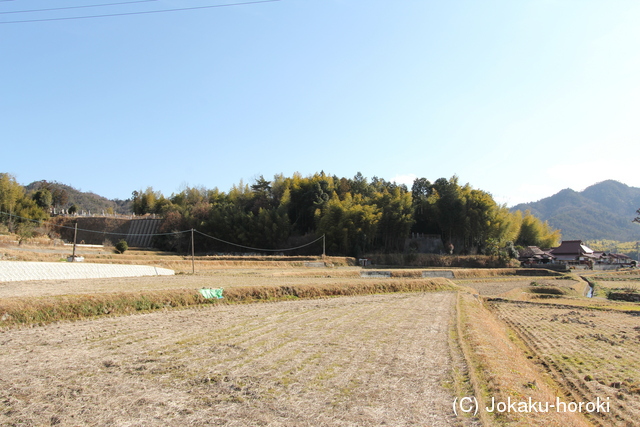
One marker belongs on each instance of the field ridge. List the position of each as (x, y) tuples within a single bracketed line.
[(41, 310)]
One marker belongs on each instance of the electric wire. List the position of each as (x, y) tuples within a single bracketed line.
[(140, 12), (40, 222), (76, 7), (261, 249)]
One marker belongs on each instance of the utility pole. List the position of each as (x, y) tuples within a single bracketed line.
[(193, 262), (324, 253), (75, 237)]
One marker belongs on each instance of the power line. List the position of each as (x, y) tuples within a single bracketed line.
[(140, 13), (166, 234), (91, 231), (261, 249), (74, 7)]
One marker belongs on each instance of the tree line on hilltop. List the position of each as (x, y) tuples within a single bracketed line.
[(356, 215)]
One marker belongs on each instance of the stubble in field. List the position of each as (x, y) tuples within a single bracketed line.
[(592, 353), (366, 360)]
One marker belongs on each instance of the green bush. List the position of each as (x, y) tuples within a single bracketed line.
[(121, 246)]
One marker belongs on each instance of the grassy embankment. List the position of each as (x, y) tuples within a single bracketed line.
[(30, 310), (501, 367), (17, 311)]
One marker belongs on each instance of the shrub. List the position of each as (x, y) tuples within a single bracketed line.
[(121, 246)]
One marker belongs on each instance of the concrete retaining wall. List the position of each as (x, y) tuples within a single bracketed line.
[(314, 264), (141, 232), (607, 267), (376, 274), (11, 271), (137, 232), (438, 273)]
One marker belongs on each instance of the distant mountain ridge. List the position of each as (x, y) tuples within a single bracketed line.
[(602, 211)]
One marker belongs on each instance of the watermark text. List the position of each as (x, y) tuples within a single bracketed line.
[(469, 405)]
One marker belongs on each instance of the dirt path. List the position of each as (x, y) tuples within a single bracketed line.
[(372, 360)]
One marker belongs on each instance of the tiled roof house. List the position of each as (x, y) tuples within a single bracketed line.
[(620, 259), (573, 250), (535, 255)]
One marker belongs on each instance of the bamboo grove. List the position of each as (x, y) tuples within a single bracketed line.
[(356, 215)]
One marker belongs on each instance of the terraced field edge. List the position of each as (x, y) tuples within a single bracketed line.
[(42, 310)]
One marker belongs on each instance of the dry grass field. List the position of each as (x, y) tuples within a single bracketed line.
[(591, 353), (179, 263), (525, 288), (351, 361), (628, 280), (387, 353), (225, 278), (502, 370)]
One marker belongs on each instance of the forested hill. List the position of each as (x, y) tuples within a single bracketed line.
[(64, 196), (354, 216), (602, 211)]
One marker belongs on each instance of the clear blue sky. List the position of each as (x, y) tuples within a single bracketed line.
[(518, 98)]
